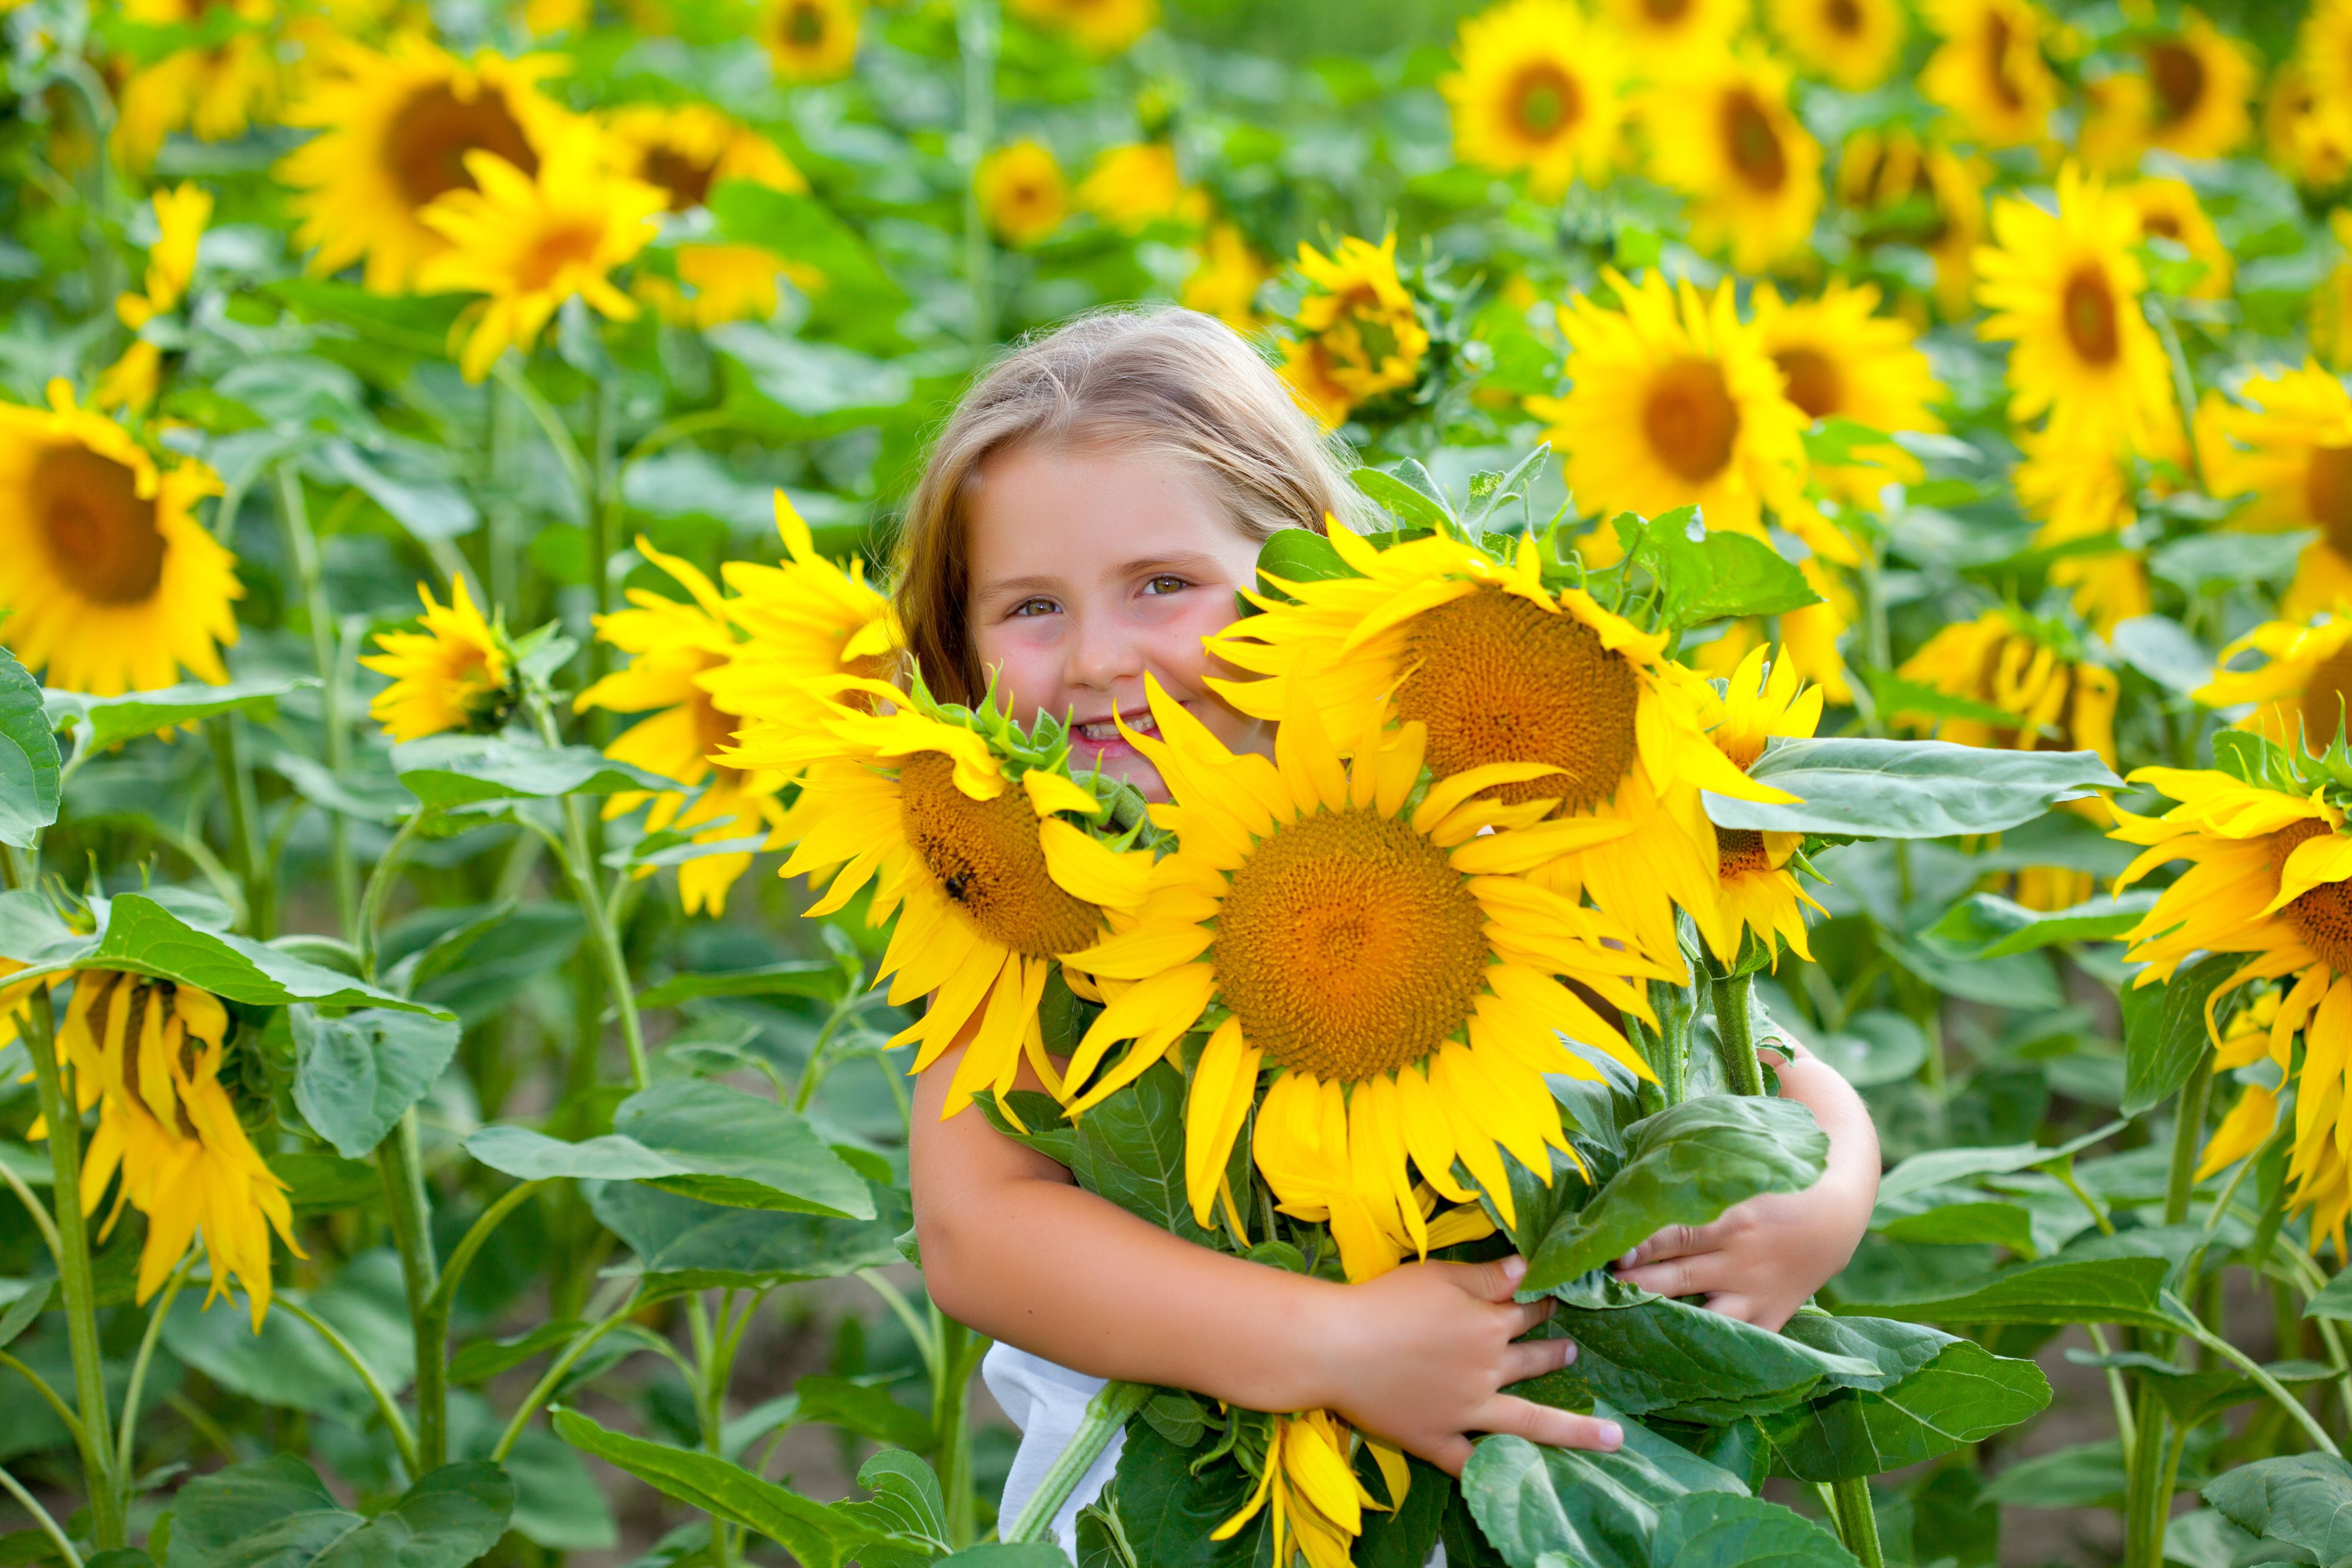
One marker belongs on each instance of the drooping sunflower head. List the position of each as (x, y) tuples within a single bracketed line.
[(397, 130), (1102, 27), (1309, 1474), (1989, 70), (1722, 131), (1854, 43), (810, 40), (1137, 185), (2300, 687), (1023, 194), (2033, 671), (457, 673), (1760, 893), (2169, 210), (686, 150), (1358, 331), (1839, 359), (1226, 282), (1665, 28), (113, 585), (1540, 89), (2201, 81)]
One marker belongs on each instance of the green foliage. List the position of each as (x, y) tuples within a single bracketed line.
[(275, 1511)]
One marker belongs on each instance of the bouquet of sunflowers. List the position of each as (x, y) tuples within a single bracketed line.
[(1425, 983)]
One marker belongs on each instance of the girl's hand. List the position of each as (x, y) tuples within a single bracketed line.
[(1764, 1258), (1420, 1356)]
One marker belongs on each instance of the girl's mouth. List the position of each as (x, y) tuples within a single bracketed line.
[(1105, 732)]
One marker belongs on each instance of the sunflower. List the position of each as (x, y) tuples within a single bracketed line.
[(1723, 133), (1989, 69), (457, 673), (1102, 27), (213, 91), (1500, 669), (1853, 43), (147, 1052), (1677, 403), (113, 585), (180, 218), (2299, 690), (992, 884), (1809, 637), (529, 241), (1395, 962), (2169, 210), (673, 650), (2083, 490), (1022, 196), (1539, 89), (2065, 289), (1839, 359), (2301, 137), (1137, 185), (1225, 283), (1665, 29), (721, 283), (2200, 80), (2026, 668), (2267, 879), (1918, 194), (2324, 55), (396, 132), (809, 40), (2244, 1041), (1309, 1478), (1358, 333), (2331, 302), (2288, 442), (688, 150), (1759, 892)]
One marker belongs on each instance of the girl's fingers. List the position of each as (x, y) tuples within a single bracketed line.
[(1699, 1275), (1524, 1315), (1533, 1358), (1673, 1241), (1746, 1309), (1554, 1428), (1450, 1455)]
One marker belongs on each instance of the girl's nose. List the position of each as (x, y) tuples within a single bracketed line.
[(1102, 657)]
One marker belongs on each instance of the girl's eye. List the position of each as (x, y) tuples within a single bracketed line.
[(1032, 607), (1166, 582)]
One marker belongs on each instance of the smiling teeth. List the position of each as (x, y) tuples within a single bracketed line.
[(1108, 729)]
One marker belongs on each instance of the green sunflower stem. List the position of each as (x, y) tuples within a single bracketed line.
[(576, 850), (75, 1280), (1106, 1416), (1857, 1522), (956, 1356), (244, 826), (976, 38), (302, 544), (1736, 1035), (411, 1214)]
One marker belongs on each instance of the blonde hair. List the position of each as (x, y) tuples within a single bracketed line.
[(1156, 380)]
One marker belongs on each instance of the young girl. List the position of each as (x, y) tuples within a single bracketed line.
[(1085, 519)]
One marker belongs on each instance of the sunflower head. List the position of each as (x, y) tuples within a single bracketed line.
[(687, 149), (1137, 185), (1225, 283), (457, 673), (1737, 148), (1357, 335), (2035, 672), (1540, 89), (1102, 27), (810, 40), (1022, 195), (1854, 43), (1989, 70), (1307, 1473), (2169, 210), (2300, 687), (1760, 894)]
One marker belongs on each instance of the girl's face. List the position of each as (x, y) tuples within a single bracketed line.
[(1090, 569)]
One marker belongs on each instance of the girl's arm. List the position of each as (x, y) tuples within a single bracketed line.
[(1764, 1258), (1013, 1247)]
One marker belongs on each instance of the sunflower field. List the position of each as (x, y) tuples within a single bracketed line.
[(1856, 545)]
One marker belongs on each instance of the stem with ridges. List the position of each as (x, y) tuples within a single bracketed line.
[(126, 1443), (302, 544), (410, 1215), (1735, 1036), (580, 867), (1857, 1522), (1106, 1416)]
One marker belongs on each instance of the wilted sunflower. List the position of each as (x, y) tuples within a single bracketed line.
[(2083, 490), (2267, 878), (1841, 359), (1989, 68), (113, 585), (1395, 962), (1854, 43), (1226, 282), (673, 649), (1677, 404), (2287, 440), (1723, 133), (1358, 333), (1133, 187), (2064, 289), (1759, 893), (991, 886), (457, 673), (2169, 210), (1539, 89), (180, 218), (1908, 191), (1667, 29), (1309, 1480), (809, 40), (2300, 688), (1500, 669), (147, 1053), (214, 90), (396, 129), (2026, 668), (529, 241), (1102, 27), (1022, 196)]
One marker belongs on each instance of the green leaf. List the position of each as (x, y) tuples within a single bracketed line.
[(557, 1504), (820, 980), (2164, 1029), (863, 1408), (1964, 1395), (2200, 561), (1168, 1513), (1006, 1554), (1300, 555), (1128, 1149), (1652, 1357), (1987, 925), (1908, 789), (2122, 1290), (1937, 1167), (29, 766), (907, 1503), (1706, 574), (32, 1300), (1684, 1166), (286, 1364), (1837, 442), (1514, 482), (1713, 1530), (445, 770), (681, 1244), (2086, 1475), (354, 1075), (1897, 696), (1409, 503), (484, 1359), (145, 937), (2161, 649), (275, 1513), (1876, 1046), (2303, 1499), (2196, 1394), (103, 722), (1594, 1509), (1988, 1223), (819, 1536), (1895, 1350), (2334, 1300)]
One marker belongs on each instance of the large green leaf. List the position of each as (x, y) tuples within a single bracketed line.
[(1895, 1350), (1168, 1513), (1413, 505), (1908, 789), (1937, 1167), (1715, 1530), (354, 1075), (143, 937), (1991, 926), (463, 769), (1300, 555), (1594, 1509), (286, 1364), (101, 722), (1685, 1166), (821, 1537), (31, 932), (1667, 1358), (275, 1513), (820, 980), (682, 1244), (1708, 574), (2301, 1500), (2122, 1290), (1128, 1149), (29, 765), (2164, 1029), (1964, 1395)]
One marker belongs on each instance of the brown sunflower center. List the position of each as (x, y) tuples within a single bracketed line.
[(1498, 679), (1752, 143), (1690, 419), (688, 180), (425, 147), (803, 25), (1814, 384), (2087, 309), (1546, 100), (2177, 75), (988, 860), (2323, 916), (2324, 699), (563, 246), (2161, 225), (2327, 492), (1348, 946), (1843, 16), (1996, 45), (101, 532), (1666, 12), (1739, 851)]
